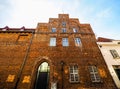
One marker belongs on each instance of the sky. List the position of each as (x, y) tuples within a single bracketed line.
[(102, 15)]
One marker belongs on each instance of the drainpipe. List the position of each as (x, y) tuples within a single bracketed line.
[(24, 61)]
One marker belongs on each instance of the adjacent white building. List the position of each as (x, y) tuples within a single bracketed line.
[(111, 53)]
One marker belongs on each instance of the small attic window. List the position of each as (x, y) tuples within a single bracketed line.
[(5, 28), (22, 28)]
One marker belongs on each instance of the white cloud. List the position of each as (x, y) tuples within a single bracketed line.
[(29, 12)]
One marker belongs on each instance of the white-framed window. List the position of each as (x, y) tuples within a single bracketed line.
[(53, 29), (117, 70), (95, 77), (114, 54), (52, 41), (65, 42), (63, 30), (74, 75), (75, 30), (77, 42)]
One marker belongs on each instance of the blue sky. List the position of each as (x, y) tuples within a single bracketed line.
[(103, 15)]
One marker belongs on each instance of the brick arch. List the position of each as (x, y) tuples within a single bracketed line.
[(37, 63), (40, 60)]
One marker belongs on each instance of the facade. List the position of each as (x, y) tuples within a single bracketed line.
[(111, 53), (60, 54)]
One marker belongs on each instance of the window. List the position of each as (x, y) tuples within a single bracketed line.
[(65, 41), (114, 54), (117, 70), (53, 29), (63, 30), (75, 30), (77, 42), (94, 74), (74, 76), (63, 24), (53, 41)]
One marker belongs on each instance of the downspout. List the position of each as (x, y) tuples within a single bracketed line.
[(24, 61)]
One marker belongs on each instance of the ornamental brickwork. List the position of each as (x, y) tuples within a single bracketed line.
[(72, 63)]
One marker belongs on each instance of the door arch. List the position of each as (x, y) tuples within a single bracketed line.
[(42, 76)]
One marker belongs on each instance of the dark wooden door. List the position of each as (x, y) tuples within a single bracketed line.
[(42, 81)]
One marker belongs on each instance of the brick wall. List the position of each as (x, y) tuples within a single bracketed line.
[(12, 56)]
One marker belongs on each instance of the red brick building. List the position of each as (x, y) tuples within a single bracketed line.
[(60, 54)]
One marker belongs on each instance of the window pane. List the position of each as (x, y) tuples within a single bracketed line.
[(97, 77), (114, 54), (75, 69), (71, 77), (74, 77), (94, 74), (53, 29), (77, 42), (63, 29), (52, 41), (93, 79), (65, 41), (75, 30), (95, 69), (71, 70)]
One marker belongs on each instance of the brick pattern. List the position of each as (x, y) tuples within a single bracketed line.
[(12, 56), (12, 53)]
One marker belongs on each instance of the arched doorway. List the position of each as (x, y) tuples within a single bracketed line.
[(42, 76)]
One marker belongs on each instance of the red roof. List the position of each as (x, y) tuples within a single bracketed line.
[(101, 39)]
